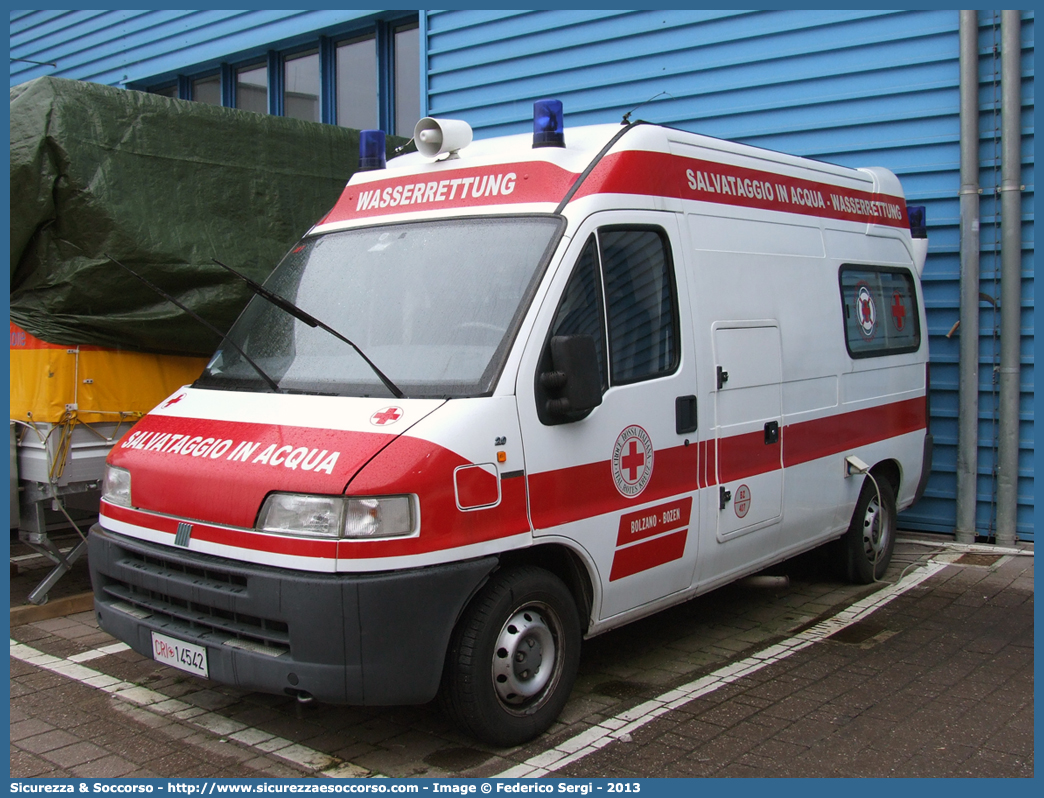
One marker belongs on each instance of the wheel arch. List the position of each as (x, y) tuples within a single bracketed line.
[(891, 471), (564, 563)]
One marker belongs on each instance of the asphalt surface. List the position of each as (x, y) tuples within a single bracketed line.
[(788, 674)]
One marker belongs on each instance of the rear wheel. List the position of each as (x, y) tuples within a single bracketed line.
[(868, 544), (513, 657)]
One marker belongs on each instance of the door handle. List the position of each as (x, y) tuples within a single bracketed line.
[(685, 414), (724, 496), (771, 433), (723, 377)]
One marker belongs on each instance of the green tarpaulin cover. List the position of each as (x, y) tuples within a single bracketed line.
[(163, 186)]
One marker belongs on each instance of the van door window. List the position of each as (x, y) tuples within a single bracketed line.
[(581, 309), (626, 272), (639, 291)]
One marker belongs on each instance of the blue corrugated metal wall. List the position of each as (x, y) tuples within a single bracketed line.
[(853, 87)]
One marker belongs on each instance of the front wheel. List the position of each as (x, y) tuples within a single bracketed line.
[(513, 657), (868, 544)]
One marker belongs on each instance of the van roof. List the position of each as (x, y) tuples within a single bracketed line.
[(508, 175)]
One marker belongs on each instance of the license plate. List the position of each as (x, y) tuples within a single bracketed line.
[(179, 654)]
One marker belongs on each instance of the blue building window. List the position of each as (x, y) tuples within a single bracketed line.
[(252, 88), (206, 90), (367, 79), (356, 84)]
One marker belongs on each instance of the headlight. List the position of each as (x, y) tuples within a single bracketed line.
[(386, 517), (336, 516), (116, 487), (298, 514)]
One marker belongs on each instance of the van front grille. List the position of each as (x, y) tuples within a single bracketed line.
[(153, 565), (198, 619), (169, 578)]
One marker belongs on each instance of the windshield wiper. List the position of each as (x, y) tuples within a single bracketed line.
[(301, 315), (224, 336)]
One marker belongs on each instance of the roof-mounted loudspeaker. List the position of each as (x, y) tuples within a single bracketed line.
[(435, 137)]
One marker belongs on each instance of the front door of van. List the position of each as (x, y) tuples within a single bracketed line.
[(619, 481)]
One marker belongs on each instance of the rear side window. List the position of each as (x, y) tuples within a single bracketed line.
[(880, 309)]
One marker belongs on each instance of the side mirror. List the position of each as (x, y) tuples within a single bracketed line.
[(574, 383)]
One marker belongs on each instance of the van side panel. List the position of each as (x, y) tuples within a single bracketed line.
[(832, 404)]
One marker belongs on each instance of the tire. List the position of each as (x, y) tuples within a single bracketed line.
[(868, 544), (489, 686)]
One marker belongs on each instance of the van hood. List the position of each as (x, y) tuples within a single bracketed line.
[(214, 456)]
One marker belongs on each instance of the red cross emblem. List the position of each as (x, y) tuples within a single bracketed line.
[(175, 400), (388, 415), (632, 461), (898, 311)]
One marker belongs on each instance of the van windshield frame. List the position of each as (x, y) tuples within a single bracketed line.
[(436, 304)]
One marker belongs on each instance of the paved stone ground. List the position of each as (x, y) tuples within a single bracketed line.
[(941, 677), (939, 683)]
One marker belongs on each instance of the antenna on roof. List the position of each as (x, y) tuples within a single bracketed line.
[(627, 117)]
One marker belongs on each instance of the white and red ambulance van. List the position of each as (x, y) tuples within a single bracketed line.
[(557, 383)]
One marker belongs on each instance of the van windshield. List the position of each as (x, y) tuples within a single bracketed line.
[(435, 305)]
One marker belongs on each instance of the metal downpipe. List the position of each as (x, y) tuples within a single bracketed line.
[(1011, 276), (968, 379)]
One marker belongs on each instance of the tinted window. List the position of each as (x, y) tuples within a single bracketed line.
[(580, 312), (880, 309), (301, 92), (407, 79), (252, 89), (207, 90), (357, 83), (639, 297)]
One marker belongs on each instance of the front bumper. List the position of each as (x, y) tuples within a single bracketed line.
[(377, 639)]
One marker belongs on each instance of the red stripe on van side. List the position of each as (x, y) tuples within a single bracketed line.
[(746, 455), (648, 554), (811, 440), (572, 494), (660, 174)]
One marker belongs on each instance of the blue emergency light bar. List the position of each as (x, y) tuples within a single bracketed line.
[(371, 150), (918, 221), (548, 125)]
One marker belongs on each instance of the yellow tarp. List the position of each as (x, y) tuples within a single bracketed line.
[(52, 383)]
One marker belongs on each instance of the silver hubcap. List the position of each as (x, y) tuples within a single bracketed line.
[(875, 531), (526, 656)]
